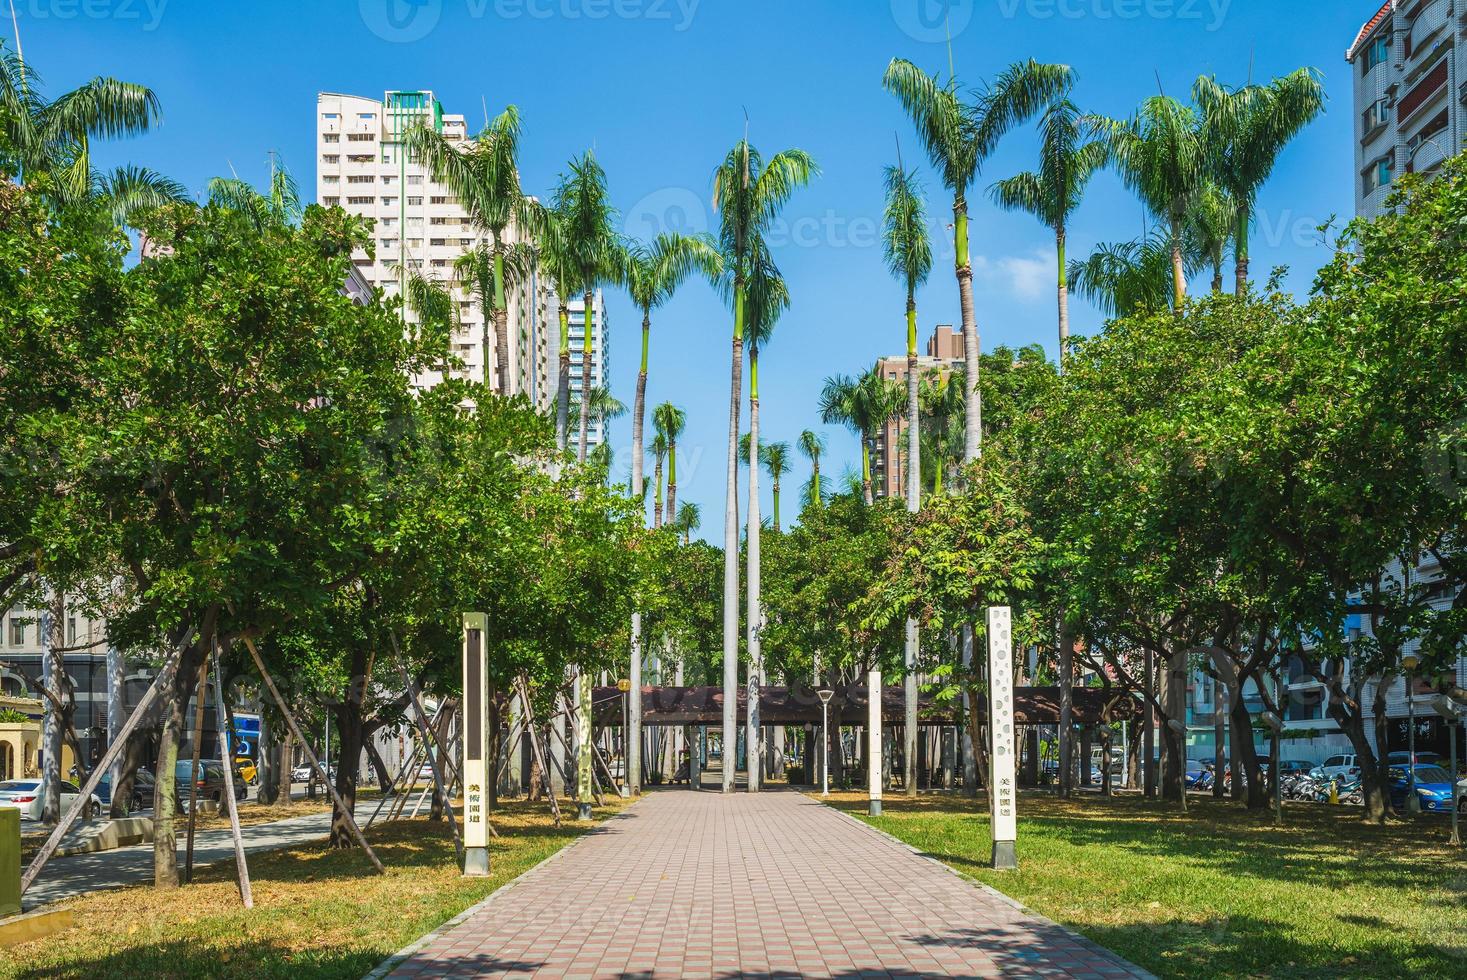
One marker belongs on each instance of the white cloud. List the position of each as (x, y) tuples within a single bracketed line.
[(1028, 277)]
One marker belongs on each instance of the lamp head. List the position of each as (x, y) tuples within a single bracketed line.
[(825, 694), (1410, 661)]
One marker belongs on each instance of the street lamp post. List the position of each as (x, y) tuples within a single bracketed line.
[(825, 694), (1413, 804)]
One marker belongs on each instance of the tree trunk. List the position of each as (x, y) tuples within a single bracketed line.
[(1063, 295), (54, 625), (972, 349), (585, 381), (912, 646), (287, 763), (133, 756), (639, 413), (731, 552), (379, 765), (1179, 270), (1220, 735), (671, 480), (1066, 731), (656, 494), (501, 351), (754, 614), (1245, 762), (562, 393), (116, 714), (1240, 250)]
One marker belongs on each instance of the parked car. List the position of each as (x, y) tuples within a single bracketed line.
[(1293, 767), (1338, 766), (142, 790), (303, 773), (210, 781), (247, 769), (25, 796), (1422, 759), (1432, 785)]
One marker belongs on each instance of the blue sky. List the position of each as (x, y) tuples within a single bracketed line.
[(659, 88)]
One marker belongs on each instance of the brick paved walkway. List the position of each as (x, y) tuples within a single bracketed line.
[(700, 885)]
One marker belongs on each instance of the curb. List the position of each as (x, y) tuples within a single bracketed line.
[(406, 953), (992, 892)]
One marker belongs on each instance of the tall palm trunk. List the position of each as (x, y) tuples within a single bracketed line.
[(731, 550), (866, 470), (501, 326), (1179, 269), (914, 504), (972, 348), (1063, 295), (753, 615), (585, 382), (775, 488), (634, 703), (815, 479), (562, 394), (671, 479), (1240, 250), (657, 495)]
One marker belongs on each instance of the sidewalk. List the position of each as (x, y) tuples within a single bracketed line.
[(72, 876), (702, 885)]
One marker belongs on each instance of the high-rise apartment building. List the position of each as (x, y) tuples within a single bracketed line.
[(600, 361), (420, 227), (888, 462), (1410, 94)]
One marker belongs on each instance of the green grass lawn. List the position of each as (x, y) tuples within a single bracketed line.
[(318, 912), (1219, 891)]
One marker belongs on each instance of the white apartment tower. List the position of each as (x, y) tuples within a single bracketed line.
[(600, 363), (419, 225), (1410, 70)]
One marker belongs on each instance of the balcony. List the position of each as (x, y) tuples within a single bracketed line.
[(1425, 31)]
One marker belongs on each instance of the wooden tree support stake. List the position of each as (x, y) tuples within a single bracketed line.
[(536, 747), (435, 761), (165, 676), (194, 773), (242, 869), (351, 821)]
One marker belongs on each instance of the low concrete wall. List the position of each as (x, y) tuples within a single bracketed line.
[(9, 861), (111, 835)]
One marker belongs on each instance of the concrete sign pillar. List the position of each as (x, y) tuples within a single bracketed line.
[(873, 741), (1002, 794), (9, 861), (475, 746)]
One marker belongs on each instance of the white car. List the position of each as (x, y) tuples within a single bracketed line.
[(1337, 767), (25, 795)]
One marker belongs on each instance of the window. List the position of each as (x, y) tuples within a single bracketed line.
[(367, 116), (415, 202), (415, 243), (331, 202), (389, 243), (388, 179), (17, 632), (440, 263), (1378, 174), (331, 158), (437, 241), (361, 179), (438, 199), (361, 137), (330, 179), (330, 115), (360, 200), (389, 202), (389, 222), (1377, 114), (415, 222), (1378, 51), (415, 180), (362, 157), (331, 138), (71, 631), (465, 242)]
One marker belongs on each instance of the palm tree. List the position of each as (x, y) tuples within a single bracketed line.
[(594, 251), (959, 136), (485, 177), (941, 398), (653, 274), (46, 144), (670, 421), (909, 257), (862, 405), (765, 298), (776, 459), (689, 519), (557, 261), (659, 454), (1210, 225), (749, 194), (811, 446), (279, 207), (1127, 277), (1247, 130), (484, 272), (1162, 156), (1068, 158)]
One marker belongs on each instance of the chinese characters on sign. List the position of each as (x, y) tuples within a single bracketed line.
[(1003, 798), (475, 763)]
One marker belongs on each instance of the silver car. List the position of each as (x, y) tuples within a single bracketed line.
[(25, 795)]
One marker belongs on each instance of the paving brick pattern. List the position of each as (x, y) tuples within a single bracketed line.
[(701, 885)]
